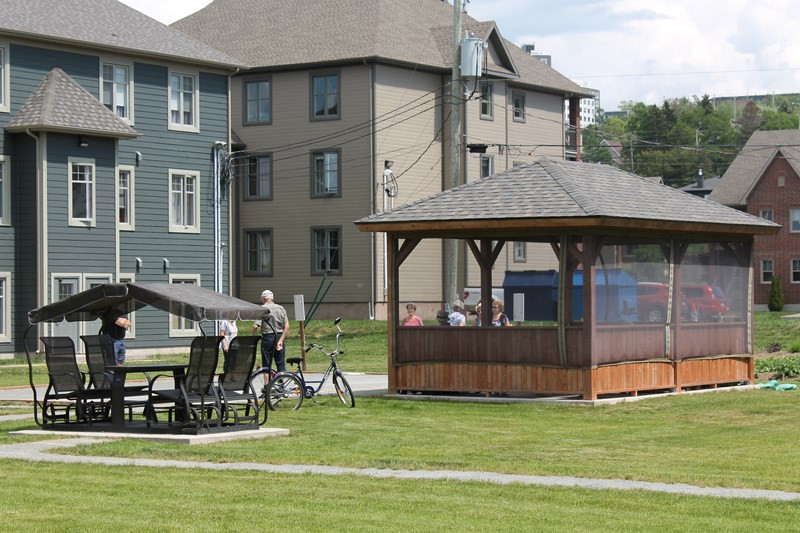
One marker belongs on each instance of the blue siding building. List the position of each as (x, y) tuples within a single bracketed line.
[(112, 126)]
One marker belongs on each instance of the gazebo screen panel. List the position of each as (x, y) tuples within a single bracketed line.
[(631, 302), (714, 282)]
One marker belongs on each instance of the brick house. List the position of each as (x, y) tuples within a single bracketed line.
[(764, 180)]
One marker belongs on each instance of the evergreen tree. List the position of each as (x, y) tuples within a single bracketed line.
[(775, 302)]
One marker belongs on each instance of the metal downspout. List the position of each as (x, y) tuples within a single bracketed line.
[(41, 197), (373, 171)]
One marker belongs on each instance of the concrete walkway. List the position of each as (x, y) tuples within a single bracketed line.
[(40, 452)]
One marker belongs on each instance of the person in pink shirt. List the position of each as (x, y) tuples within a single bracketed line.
[(412, 319)]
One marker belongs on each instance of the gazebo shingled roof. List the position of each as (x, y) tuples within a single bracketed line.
[(554, 193)]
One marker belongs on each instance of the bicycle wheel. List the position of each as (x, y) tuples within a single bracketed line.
[(259, 381), (343, 390), (285, 392)]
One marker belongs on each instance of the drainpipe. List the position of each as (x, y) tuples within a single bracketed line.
[(41, 211), (373, 149), (219, 148)]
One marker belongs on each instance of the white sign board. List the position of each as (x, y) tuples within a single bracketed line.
[(519, 307), (299, 307)]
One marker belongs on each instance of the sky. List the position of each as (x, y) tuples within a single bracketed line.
[(637, 50)]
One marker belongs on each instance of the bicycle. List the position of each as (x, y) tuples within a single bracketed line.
[(259, 380), (287, 389)]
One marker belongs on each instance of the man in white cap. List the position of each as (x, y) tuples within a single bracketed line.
[(273, 332)]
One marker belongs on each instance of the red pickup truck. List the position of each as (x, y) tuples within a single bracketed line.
[(699, 302)]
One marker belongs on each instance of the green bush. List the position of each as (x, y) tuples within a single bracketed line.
[(783, 367), (795, 347), (775, 302)]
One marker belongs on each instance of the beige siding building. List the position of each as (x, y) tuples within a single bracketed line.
[(333, 94)]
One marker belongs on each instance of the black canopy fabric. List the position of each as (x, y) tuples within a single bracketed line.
[(182, 299)]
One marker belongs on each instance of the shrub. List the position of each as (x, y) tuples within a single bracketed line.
[(782, 367), (774, 347), (775, 302), (795, 347)]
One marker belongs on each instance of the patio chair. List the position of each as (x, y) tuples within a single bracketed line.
[(67, 398), (239, 399), (99, 351), (195, 402)]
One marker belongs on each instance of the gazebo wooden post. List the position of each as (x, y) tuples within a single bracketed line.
[(747, 252), (486, 257), (680, 248), (392, 301), (590, 245)]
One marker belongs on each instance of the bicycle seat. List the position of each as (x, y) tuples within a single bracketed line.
[(293, 360)]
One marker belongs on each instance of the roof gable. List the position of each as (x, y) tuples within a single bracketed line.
[(62, 104), (106, 24), (307, 32), (753, 160)]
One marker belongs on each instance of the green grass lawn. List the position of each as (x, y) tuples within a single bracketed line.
[(730, 439), (42, 497)]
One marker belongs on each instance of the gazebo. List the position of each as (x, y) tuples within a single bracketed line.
[(682, 316)]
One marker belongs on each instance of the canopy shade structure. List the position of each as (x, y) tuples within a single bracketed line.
[(185, 300)]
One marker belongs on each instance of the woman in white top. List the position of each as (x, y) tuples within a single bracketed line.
[(228, 331)]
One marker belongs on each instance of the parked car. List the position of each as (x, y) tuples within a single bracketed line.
[(699, 302)]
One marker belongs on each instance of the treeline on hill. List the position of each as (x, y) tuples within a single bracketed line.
[(682, 135)]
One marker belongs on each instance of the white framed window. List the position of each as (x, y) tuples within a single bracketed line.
[(81, 192), (125, 197), (5, 79), (258, 178), (518, 100), (325, 99), (184, 201), (326, 250), (5, 190), (795, 270), (487, 100), (325, 174), (129, 278), (520, 252), (184, 100), (794, 216), (767, 270), (116, 88), (258, 101), (5, 306), (766, 214), (487, 166), (258, 252), (179, 326)]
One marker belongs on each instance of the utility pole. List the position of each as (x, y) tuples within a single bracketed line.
[(451, 245)]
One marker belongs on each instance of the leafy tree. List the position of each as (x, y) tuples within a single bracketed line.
[(594, 151), (777, 120)]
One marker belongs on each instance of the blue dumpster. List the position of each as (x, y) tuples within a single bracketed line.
[(616, 294)]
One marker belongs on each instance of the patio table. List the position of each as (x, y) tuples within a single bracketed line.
[(118, 385)]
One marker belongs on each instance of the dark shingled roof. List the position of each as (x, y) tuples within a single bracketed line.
[(281, 33), (105, 24), (752, 161), (62, 104), (555, 189)]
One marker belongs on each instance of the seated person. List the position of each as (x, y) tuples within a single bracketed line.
[(457, 318)]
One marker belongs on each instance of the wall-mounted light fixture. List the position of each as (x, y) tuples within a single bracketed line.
[(388, 164), (138, 157), (82, 142), (166, 263), (138, 264)]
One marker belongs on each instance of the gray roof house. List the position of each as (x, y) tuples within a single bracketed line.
[(109, 126), (764, 180), (344, 112)]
